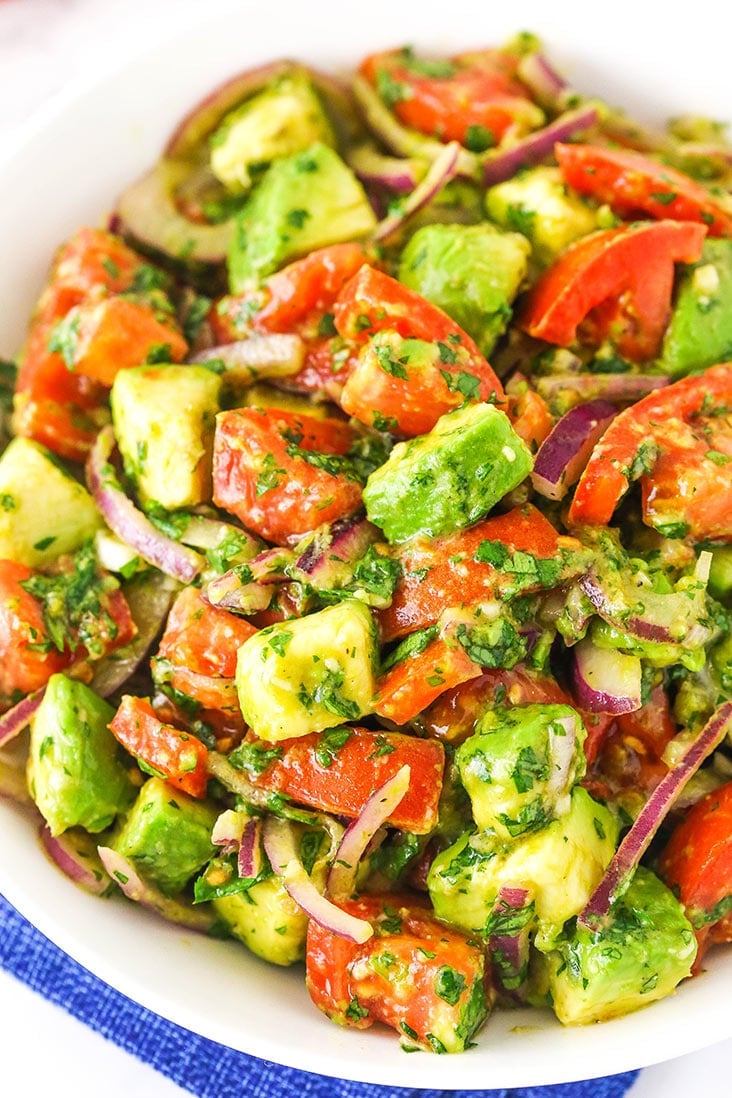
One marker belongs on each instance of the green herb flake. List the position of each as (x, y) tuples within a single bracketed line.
[(449, 984)]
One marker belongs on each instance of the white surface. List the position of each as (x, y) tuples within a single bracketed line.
[(44, 43)]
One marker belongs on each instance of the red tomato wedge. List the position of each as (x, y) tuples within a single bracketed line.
[(473, 99), (635, 263), (28, 656), (633, 184), (406, 689), (338, 770), (443, 572), (263, 472), (94, 258), (176, 755), (678, 440), (697, 864), (414, 974)]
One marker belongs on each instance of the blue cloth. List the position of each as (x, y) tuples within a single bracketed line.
[(207, 1069)]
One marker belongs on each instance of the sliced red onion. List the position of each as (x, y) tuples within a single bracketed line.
[(400, 139), (542, 79), (328, 554), (270, 566), (508, 945), (537, 146), (123, 873), (562, 755), (374, 814), (203, 532), (129, 523), (149, 599), (256, 358), (82, 866), (280, 845), (242, 596), (228, 828), (618, 388), (400, 175), (14, 720), (605, 680), (250, 849), (443, 168), (564, 453), (652, 815)]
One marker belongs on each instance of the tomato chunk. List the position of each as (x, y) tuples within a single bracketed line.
[(472, 99), (697, 864), (678, 440), (634, 263), (443, 572), (178, 756), (265, 475), (28, 655), (412, 684), (338, 770), (426, 981), (633, 184)]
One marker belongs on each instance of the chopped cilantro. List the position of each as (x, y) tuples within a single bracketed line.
[(478, 138), (329, 744), (270, 476), (449, 984)]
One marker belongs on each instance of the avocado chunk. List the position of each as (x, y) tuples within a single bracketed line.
[(44, 511), (74, 773), (166, 835), (445, 480), (537, 204), (279, 121), (266, 920), (639, 954), (520, 765), (700, 331), (308, 674), (472, 272), (561, 865), (164, 422), (303, 202)]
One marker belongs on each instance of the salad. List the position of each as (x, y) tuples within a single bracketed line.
[(365, 541)]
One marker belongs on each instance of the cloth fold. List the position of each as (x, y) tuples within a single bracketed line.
[(203, 1067)]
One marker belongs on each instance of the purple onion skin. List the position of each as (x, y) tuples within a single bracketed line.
[(652, 815), (537, 146), (597, 699), (443, 169), (511, 972), (346, 539), (14, 720), (564, 452), (250, 849), (618, 388)]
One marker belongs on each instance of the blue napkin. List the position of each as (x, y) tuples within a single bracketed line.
[(207, 1069)]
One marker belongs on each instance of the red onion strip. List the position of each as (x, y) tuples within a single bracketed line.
[(619, 388), (75, 863), (250, 848), (542, 79), (128, 523), (124, 874), (509, 945), (605, 680), (375, 812), (652, 815), (14, 720), (504, 163), (565, 451), (279, 843), (444, 168), (261, 356)]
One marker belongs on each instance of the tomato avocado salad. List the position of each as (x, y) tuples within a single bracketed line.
[(366, 541)]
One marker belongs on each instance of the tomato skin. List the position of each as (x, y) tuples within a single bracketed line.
[(346, 984), (697, 863), (93, 258), (686, 421), (308, 286), (177, 755), (633, 262), (354, 771), (276, 494), (480, 92), (414, 683), (26, 665), (116, 333), (453, 577), (634, 184)]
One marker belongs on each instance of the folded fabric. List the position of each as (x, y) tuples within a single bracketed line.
[(206, 1069)]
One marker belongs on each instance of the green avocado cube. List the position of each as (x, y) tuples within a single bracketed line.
[(44, 511), (281, 120), (164, 419), (520, 766), (538, 204), (74, 773), (448, 479), (471, 272), (310, 673), (166, 835), (561, 866), (639, 954), (303, 202), (700, 331), (266, 920)]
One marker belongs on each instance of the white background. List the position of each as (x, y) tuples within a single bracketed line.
[(43, 45)]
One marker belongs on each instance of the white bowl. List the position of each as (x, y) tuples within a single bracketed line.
[(67, 171)]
